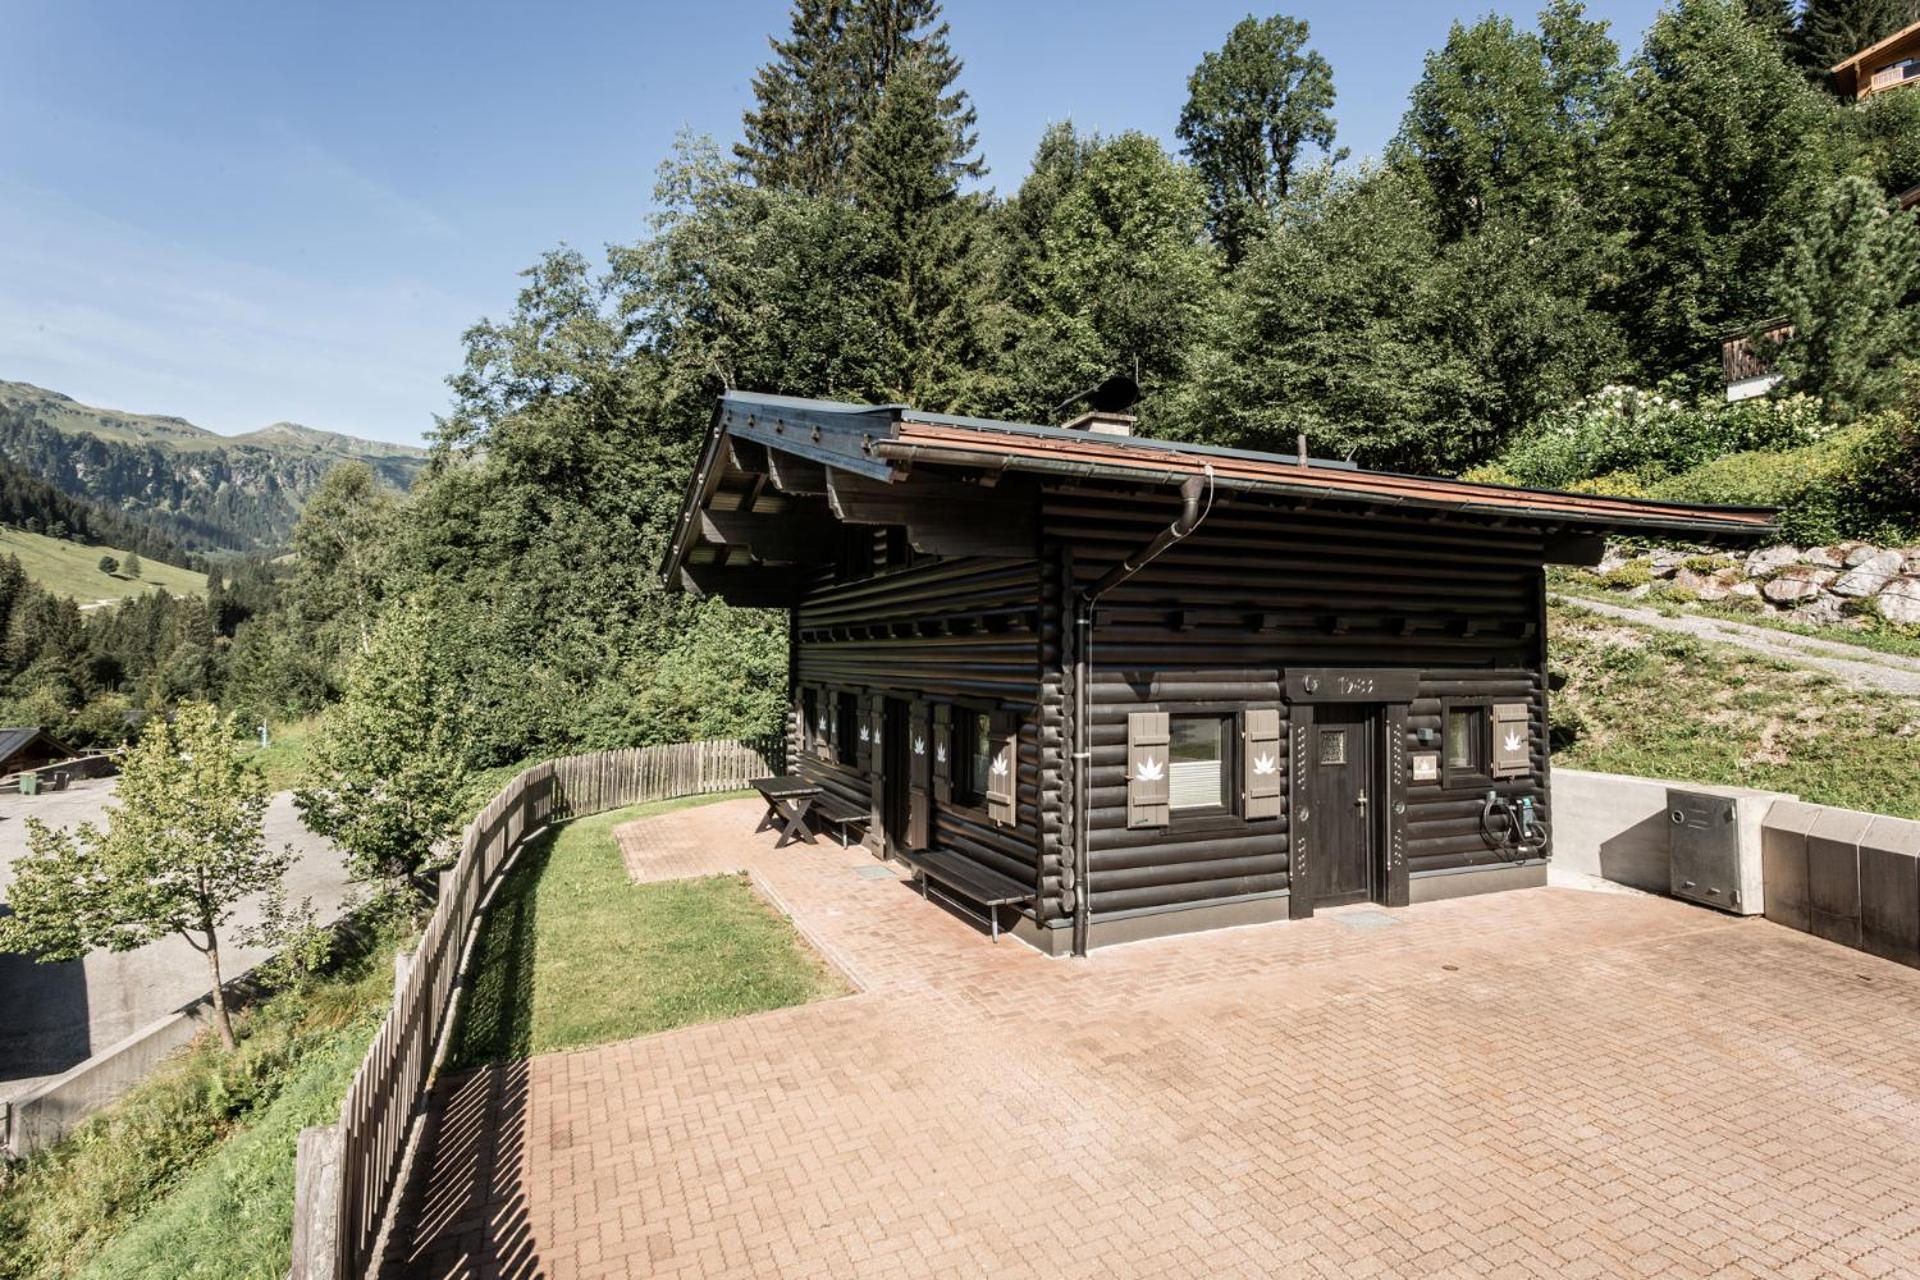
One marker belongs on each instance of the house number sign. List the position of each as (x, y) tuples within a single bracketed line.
[(1352, 684)]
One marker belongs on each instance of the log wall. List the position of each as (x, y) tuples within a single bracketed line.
[(1215, 623)]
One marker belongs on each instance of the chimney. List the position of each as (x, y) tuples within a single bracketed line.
[(1103, 422), (1107, 408)]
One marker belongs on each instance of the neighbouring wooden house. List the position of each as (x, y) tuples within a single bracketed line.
[(1746, 371), (1892, 63), (1128, 686), (26, 747)]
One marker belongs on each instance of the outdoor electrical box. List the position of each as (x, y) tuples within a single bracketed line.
[(1712, 841)]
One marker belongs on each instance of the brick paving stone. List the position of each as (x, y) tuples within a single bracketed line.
[(1539, 1083)]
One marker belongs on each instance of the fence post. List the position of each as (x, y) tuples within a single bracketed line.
[(402, 966), (316, 1204)]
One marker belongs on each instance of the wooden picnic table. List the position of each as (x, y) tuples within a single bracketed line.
[(788, 799)]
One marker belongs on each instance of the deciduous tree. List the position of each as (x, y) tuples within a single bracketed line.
[(1253, 106), (182, 847)]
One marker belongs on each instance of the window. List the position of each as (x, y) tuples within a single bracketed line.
[(813, 725), (847, 729), (975, 731), (1197, 763), (1464, 744)]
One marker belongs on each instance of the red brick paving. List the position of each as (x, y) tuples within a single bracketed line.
[(1541, 1083)]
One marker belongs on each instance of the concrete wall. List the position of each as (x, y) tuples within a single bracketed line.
[(1846, 876), (1615, 827), (47, 1113)]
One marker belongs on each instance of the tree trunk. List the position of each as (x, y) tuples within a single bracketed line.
[(220, 1018)]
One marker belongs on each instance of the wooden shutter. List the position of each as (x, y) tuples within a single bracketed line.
[(863, 731), (1511, 731), (1260, 763), (1003, 772), (823, 718), (942, 747), (1147, 794), (919, 778), (874, 715)]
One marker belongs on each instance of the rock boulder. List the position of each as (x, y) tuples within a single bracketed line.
[(1899, 602), (1869, 574), (1770, 560)]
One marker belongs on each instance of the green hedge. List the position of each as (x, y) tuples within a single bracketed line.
[(1855, 483)]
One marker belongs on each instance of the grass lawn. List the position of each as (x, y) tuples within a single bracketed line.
[(73, 569), (285, 756), (1650, 702), (573, 953), (191, 1173)]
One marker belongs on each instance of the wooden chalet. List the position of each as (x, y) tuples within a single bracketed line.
[(1120, 687), (1892, 63), (27, 747)]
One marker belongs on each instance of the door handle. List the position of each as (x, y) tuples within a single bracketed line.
[(1361, 801)]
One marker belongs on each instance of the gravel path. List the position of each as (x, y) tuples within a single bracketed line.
[(1852, 665)]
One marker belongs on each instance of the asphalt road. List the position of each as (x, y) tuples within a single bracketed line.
[(55, 1015)]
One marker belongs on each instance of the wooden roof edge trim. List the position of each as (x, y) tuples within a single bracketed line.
[(1876, 47), (1373, 485), (1584, 509), (693, 499)]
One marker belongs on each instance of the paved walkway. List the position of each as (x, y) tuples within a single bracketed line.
[(1853, 665), (1540, 1083)]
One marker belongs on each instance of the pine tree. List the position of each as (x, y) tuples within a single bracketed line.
[(827, 84), (1851, 284), (1252, 108), (907, 188), (131, 566), (799, 136), (1834, 30)]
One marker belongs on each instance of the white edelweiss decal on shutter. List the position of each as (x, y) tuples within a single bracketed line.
[(919, 746), (1151, 770), (1264, 765)]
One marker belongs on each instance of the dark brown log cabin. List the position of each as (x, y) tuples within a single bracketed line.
[(1292, 683)]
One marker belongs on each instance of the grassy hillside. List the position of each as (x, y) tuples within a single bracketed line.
[(71, 569), (1663, 705), (69, 417)]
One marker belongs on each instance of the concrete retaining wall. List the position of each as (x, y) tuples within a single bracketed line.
[(1846, 876), (1615, 827), (48, 1112)]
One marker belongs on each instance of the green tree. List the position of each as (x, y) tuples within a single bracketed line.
[(1833, 30), (131, 566), (386, 769), (827, 84), (109, 565), (1252, 107), (1778, 19), (799, 132), (182, 847), (342, 549), (1717, 153), (1504, 121), (923, 286), (1851, 284), (1121, 280)]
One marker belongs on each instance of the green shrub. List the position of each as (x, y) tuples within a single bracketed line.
[(1632, 438), (1848, 485), (1634, 573)]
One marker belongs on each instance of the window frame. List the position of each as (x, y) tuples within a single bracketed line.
[(1232, 729), (1480, 772), (968, 791)]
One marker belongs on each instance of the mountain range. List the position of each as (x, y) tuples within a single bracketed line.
[(206, 491)]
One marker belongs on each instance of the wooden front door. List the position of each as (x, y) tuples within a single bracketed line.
[(894, 805), (1346, 799)]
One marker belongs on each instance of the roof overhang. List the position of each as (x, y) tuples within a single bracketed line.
[(1877, 47), (777, 474)]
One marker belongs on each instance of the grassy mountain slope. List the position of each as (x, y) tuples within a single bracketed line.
[(73, 569), (203, 490)]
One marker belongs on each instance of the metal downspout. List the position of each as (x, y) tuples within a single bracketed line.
[(1192, 512)]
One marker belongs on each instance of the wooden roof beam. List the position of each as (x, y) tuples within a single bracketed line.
[(941, 517), (804, 534)]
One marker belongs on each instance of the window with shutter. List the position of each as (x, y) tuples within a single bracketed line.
[(1003, 767), (1511, 732), (1261, 762), (1147, 781)]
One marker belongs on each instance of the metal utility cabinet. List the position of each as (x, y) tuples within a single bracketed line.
[(1713, 839)]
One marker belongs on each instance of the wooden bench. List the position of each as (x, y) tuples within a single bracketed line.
[(983, 886), (847, 820)]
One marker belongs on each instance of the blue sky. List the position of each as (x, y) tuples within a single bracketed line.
[(242, 213)]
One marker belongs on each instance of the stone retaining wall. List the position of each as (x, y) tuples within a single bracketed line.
[(1839, 584)]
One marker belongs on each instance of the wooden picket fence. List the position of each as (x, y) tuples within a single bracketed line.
[(346, 1173)]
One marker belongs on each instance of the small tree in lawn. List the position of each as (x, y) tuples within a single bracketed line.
[(181, 847), (131, 566), (386, 768), (109, 565)]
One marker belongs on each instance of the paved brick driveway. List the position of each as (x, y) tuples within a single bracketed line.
[(1542, 1083)]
